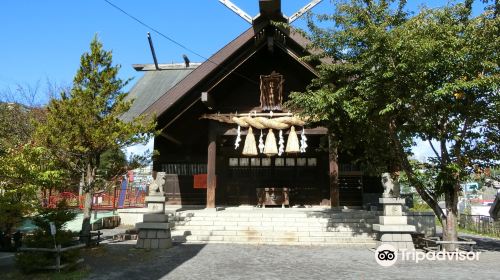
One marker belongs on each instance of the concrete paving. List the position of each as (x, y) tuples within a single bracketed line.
[(121, 260), (230, 261)]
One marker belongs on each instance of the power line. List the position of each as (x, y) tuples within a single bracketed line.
[(172, 40), (156, 31)]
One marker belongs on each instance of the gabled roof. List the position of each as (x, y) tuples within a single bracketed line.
[(153, 85), (212, 65), (205, 69)]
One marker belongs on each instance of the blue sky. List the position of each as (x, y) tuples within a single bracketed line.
[(43, 40)]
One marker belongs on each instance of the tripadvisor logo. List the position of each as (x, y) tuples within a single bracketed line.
[(387, 255)]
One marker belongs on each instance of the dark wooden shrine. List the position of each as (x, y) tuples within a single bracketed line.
[(253, 73)]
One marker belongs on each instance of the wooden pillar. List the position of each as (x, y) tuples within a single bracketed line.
[(333, 171), (211, 158)]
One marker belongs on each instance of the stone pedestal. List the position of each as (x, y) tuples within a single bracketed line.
[(154, 231), (393, 226), (155, 203)]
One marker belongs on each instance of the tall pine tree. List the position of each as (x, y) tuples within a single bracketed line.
[(85, 122)]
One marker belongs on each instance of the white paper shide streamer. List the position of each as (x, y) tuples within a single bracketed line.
[(261, 143), (281, 144), (238, 139), (303, 141)]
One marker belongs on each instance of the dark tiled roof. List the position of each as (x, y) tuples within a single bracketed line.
[(152, 86)]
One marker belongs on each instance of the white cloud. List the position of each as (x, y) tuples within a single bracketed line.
[(139, 149), (422, 150)]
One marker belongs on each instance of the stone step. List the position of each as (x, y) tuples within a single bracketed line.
[(271, 214), (278, 226), (271, 233), (274, 228), (280, 219), (276, 240), (367, 245), (309, 223)]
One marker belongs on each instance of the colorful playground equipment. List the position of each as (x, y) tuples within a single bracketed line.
[(119, 198)]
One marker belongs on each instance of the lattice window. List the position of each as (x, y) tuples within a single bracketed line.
[(184, 169)]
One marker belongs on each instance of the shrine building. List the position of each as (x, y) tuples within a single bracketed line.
[(226, 137)]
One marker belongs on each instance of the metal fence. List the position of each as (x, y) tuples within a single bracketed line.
[(115, 199), (480, 224)]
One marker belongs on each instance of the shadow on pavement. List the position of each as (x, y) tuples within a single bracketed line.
[(485, 243), (7, 262), (124, 261)]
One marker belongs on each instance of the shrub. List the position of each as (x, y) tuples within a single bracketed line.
[(42, 238)]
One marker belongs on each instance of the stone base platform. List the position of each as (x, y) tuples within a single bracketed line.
[(154, 239), (154, 232), (401, 241)]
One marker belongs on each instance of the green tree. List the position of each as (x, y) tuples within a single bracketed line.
[(85, 122), (433, 76), (17, 124), (24, 170)]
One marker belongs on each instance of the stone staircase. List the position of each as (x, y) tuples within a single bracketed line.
[(291, 226)]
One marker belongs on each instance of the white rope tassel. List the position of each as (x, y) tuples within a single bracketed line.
[(261, 143), (303, 141), (281, 144), (238, 139)]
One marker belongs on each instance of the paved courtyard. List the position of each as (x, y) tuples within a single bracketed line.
[(227, 261)]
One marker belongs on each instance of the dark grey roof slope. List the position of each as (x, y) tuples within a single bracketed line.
[(153, 85)]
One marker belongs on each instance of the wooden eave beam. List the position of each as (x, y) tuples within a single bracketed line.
[(297, 58), (308, 131), (171, 139), (233, 68)]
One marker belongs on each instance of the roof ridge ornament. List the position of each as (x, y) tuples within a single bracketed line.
[(269, 10), (303, 10)]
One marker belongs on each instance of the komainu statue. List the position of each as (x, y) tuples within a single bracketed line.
[(391, 186), (158, 183)]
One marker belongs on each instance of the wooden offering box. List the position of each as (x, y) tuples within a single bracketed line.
[(273, 196)]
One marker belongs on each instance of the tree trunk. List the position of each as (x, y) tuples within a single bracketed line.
[(86, 227), (87, 207), (428, 197), (450, 222), (333, 167)]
